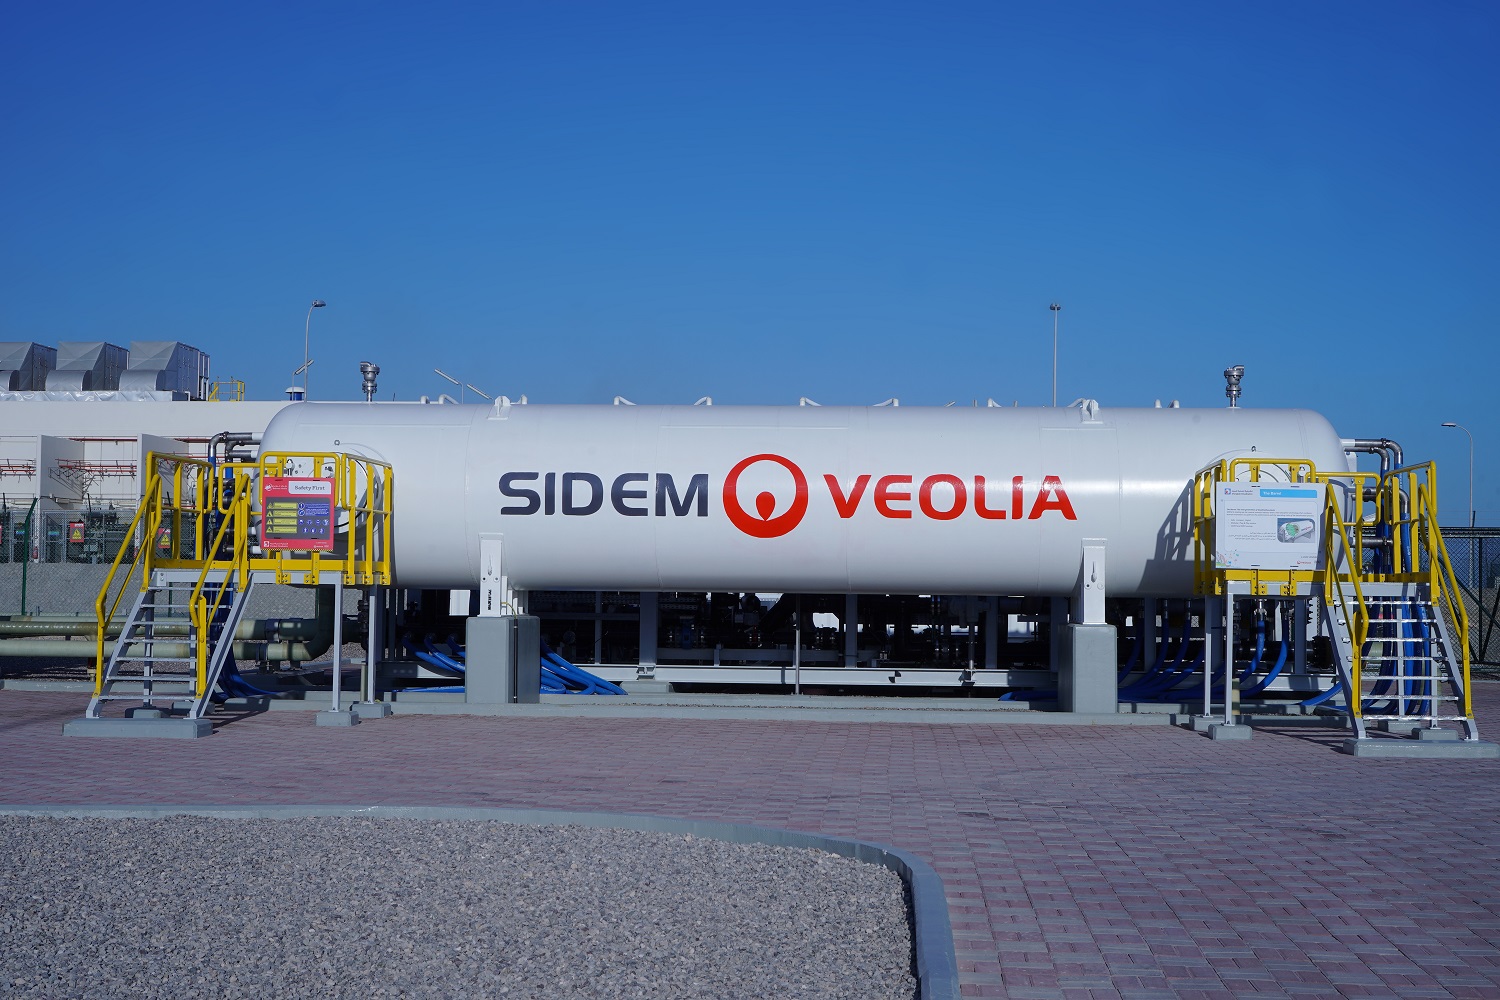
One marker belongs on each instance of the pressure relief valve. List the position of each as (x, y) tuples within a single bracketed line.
[(1232, 378)]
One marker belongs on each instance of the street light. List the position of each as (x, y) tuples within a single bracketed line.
[(1449, 423), (1055, 310), (306, 363)]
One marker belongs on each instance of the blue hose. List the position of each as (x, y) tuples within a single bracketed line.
[(442, 658), (1260, 649), (1271, 675), (1152, 679), (575, 677)]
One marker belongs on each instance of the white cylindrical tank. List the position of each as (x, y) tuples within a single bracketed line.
[(798, 499)]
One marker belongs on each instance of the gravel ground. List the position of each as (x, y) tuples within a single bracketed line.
[(338, 907)]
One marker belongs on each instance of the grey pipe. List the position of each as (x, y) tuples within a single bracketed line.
[(267, 652), (1388, 450), (301, 642), (254, 629)]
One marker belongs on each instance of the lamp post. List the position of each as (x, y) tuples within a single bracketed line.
[(1055, 310), (1449, 423), (306, 327)]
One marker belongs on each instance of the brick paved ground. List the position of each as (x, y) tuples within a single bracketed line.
[(1079, 862)]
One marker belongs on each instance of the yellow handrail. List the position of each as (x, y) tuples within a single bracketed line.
[(1445, 583), (1357, 617), (201, 613), (1395, 514), (150, 499), (180, 492)]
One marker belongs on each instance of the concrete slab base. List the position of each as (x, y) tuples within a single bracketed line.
[(254, 703), (1423, 749), (366, 710), (158, 728), (337, 719), (1300, 721), (1219, 731)]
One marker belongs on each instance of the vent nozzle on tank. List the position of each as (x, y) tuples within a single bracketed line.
[(368, 372), (1232, 378)]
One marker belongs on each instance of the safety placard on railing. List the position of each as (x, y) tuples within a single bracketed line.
[(297, 513), (1276, 526)]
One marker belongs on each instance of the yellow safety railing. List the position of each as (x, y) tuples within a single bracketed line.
[(1392, 516), (235, 523), (1444, 581), (230, 390), (198, 514), (1208, 578), (1343, 589), (147, 516)]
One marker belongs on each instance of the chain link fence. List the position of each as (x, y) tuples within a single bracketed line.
[(1475, 553)]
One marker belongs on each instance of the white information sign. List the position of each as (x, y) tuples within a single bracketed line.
[(1268, 526)]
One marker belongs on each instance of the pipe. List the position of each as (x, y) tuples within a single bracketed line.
[(1388, 450), (290, 646), (268, 652), (251, 629)]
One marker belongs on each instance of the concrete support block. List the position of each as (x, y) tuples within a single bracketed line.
[(1220, 731), (1423, 749), (1088, 676), (503, 660), (367, 710), (169, 728), (339, 720)]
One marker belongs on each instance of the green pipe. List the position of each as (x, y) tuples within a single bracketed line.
[(260, 652), (299, 640), (256, 629)]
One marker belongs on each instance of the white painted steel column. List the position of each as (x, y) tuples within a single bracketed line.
[(338, 641), (1212, 630), (373, 597), (1299, 636), (851, 630), (1148, 635), (994, 628), (650, 621), (598, 626), (797, 650)]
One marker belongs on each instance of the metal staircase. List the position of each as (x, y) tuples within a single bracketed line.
[(203, 536), (1386, 593), (161, 655), (1409, 668)]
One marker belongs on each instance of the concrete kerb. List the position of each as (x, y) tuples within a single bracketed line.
[(932, 933)]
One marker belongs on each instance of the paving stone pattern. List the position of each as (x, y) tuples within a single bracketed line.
[(1133, 862)]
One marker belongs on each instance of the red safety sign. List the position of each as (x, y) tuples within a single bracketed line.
[(296, 513), (75, 532)]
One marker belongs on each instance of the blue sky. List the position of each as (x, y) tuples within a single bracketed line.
[(758, 202)]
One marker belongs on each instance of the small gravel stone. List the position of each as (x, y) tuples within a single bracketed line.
[(355, 907)]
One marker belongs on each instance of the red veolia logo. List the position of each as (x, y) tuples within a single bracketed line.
[(762, 524)]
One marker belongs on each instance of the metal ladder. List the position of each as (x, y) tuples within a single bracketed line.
[(155, 655), (1410, 669)]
